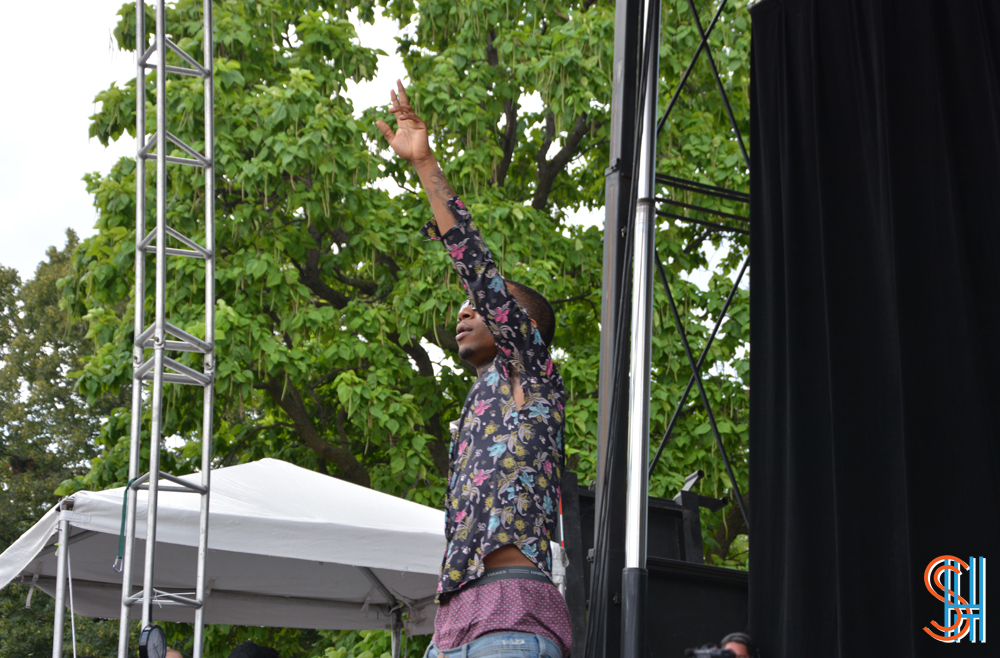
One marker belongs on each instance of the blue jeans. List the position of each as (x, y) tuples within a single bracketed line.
[(501, 645)]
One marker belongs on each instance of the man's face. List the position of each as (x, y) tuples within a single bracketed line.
[(475, 342), (738, 648)]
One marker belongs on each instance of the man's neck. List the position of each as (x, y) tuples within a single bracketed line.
[(515, 382)]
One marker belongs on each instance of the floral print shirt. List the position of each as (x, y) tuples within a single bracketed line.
[(506, 463)]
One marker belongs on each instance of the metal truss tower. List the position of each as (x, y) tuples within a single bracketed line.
[(616, 620), (151, 372)]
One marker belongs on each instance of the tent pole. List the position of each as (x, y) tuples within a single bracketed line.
[(394, 606), (160, 309), (63, 552), (397, 631)]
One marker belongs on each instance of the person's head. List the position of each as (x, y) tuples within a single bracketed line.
[(250, 650), (475, 342), (539, 310), (174, 653), (740, 644)]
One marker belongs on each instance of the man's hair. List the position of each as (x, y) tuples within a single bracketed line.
[(538, 309), (743, 639)]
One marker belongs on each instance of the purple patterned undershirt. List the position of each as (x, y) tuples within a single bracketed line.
[(511, 605)]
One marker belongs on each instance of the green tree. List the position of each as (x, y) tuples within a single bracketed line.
[(47, 433), (518, 97), (327, 299), (328, 303)]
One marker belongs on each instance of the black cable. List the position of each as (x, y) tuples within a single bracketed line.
[(722, 228), (702, 188), (692, 206), (718, 81)]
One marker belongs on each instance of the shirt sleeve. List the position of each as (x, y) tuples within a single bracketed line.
[(518, 341)]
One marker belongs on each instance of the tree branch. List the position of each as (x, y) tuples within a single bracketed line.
[(277, 325), (508, 142), (253, 431), (696, 241), (320, 381), (309, 275), (732, 527), (287, 397), (492, 56), (390, 264), (549, 169), (365, 286), (433, 427)]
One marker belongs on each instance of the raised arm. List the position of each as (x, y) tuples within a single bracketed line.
[(411, 144), (512, 329)]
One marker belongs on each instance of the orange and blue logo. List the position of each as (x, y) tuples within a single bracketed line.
[(964, 611)]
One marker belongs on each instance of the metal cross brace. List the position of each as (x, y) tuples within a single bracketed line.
[(704, 45), (718, 80), (687, 72), (696, 378)]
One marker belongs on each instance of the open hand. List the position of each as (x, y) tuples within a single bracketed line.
[(410, 139)]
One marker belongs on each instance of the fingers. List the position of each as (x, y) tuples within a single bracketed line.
[(401, 105), (398, 106), (400, 100), (409, 120), (385, 130), (404, 113)]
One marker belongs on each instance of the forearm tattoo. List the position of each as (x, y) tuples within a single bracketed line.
[(440, 187)]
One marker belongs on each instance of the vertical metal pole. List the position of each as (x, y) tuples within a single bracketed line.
[(139, 323), (397, 632), (618, 178), (60, 620), (634, 577), (603, 637), (206, 422), (161, 289)]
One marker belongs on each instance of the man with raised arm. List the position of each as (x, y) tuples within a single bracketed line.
[(495, 593)]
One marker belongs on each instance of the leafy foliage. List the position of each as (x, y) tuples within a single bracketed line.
[(699, 144), (47, 435), (334, 321), (527, 138)]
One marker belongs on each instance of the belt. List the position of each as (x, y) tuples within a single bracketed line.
[(503, 573)]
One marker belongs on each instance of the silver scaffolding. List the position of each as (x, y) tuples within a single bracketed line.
[(160, 368)]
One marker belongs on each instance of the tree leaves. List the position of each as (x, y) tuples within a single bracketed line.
[(329, 307)]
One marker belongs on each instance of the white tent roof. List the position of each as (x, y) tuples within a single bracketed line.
[(284, 544)]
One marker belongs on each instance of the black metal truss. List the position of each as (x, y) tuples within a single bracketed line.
[(718, 193)]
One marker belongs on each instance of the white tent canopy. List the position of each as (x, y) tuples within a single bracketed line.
[(287, 547)]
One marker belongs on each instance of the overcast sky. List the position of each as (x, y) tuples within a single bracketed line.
[(51, 81), (49, 94)]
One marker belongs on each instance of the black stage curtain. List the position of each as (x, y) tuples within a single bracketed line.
[(875, 297)]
